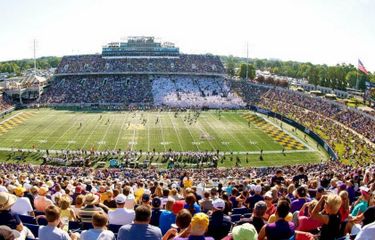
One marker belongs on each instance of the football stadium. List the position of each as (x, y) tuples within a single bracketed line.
[(144, 141), (165, 108)]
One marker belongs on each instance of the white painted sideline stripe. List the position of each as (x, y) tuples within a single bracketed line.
[(6, 120)]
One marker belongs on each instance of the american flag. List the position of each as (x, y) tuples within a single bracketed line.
[(361, 67)]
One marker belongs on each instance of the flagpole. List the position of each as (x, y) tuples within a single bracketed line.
[(356, 83)]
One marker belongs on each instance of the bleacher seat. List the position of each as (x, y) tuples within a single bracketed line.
[(27, 219), (114, 228), (241, 211), (33, 228), (247, 215), (86, 226), (74, 226), (38, 213), (235, 217)]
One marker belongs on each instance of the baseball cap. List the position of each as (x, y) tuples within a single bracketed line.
[(156, 202), (364, 190), (121, 198), (218, 203), (245, 231)]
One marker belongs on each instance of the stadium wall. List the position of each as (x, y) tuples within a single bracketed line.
[(300, 127)]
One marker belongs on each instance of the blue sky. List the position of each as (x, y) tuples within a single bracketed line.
[(318, 31)]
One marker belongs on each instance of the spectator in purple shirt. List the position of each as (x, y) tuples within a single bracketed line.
[(301, 199), (281, 229)]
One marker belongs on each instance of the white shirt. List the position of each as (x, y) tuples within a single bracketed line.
[(121, 216), (367, 232), (22, 206), (130, 202), (3, 189)]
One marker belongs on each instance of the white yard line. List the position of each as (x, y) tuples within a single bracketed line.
[(58, 140), (175, 130), (253, 134), (46, 127), (218, 136), (121, 130), (21, 133), (92, 131), (230, 134), (256, 136), (289, 133), (203, 130), (106, 132), (162, 132), (77, 133), (197, 145), (148, 132)]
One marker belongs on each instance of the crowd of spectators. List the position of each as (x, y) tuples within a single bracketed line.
[(196, 92), (354, 119), (110, 89), (4, 105), (315, 201), (183, 63), (335, 123)]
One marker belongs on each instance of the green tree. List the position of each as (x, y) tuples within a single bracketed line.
[(230, 65), (249, 68)]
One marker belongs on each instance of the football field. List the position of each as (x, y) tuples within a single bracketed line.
[(241, 132)]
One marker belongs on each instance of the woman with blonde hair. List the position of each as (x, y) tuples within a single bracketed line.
[(67, 213), (158, 192), (344, 208), (330, 217)]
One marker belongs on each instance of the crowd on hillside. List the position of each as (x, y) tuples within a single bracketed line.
[(332, 121), (183, 64), (4, 105), (116, 89), (197, 92), (356, 120), (317, 201)]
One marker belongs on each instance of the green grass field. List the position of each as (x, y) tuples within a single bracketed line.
[(241, 132)]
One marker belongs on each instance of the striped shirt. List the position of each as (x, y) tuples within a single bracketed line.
[(87, 212)]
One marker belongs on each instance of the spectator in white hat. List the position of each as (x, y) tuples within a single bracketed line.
[(256, 197), (121, 215), (220, 224)]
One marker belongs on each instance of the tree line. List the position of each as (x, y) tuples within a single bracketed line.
[(340, 76), (17, 66)]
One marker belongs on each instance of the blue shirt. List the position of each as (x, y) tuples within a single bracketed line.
[(95, 233), (52, 233), (197, 208), (139, 232), (167, 218), (360, 208)]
